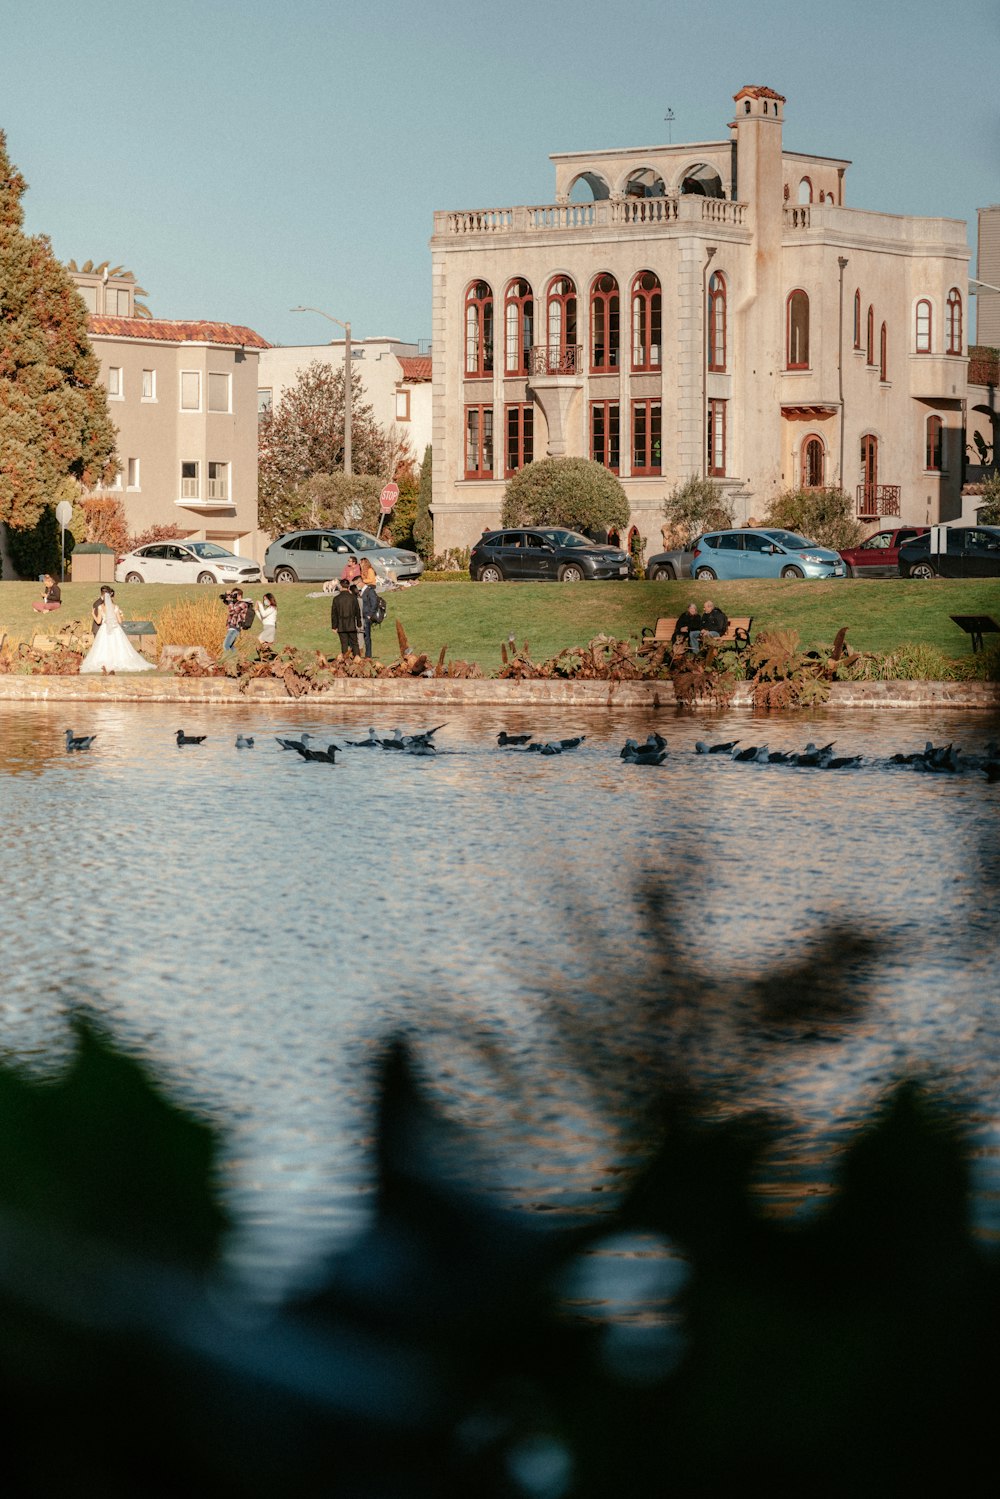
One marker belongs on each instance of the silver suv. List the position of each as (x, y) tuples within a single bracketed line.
[(316, 556)]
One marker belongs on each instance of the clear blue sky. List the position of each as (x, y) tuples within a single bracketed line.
[(242, 157)]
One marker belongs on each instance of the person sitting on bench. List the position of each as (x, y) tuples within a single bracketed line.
[(689, 621), (712, 622)]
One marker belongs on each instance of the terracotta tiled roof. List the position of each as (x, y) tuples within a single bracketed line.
[(758, 91), (171, 331), (416, 369)]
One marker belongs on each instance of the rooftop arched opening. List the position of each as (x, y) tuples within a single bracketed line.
[(589, 188), (645, 183), (702, 180)]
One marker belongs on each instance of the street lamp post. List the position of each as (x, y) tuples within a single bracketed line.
[(348, 391)]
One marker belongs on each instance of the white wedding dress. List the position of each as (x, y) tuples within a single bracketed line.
[(112, 650)]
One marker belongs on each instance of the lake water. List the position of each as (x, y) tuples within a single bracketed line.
[(257, 926)]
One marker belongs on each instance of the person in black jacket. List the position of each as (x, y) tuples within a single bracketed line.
[(688, 624), (369, 606), (345, 618), (713, 622)]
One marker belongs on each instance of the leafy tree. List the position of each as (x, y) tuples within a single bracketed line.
[(54, 420), (423, 525), (825, 515), (691, 508), (404, 514), (989, 509), (338, 500), (303, 436), (573, 492)]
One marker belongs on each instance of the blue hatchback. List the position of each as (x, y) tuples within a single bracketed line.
[(763, 554)]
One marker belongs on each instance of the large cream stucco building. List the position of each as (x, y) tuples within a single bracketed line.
[(711, 308)]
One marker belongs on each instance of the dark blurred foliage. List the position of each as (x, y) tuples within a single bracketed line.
[(848, 1353)]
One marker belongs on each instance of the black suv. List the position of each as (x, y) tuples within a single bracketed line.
[(541, 553), (969, 552)]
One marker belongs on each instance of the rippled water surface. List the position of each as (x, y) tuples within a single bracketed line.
[(257, 926)]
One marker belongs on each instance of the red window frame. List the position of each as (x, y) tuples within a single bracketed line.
[(797, 330), (813, 463), (870, 344), (519, 436), (647, 437), (717, 321), (479, 442), (934, 445), (857, 319), (953, 322), (715, 438), (478, 330), (646, 302), (883, 353), (518, 325), (923, 326), (605, 324), (564, 300), (605, 434)]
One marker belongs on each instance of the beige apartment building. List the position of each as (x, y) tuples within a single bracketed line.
[(395, 378), (713, 308), (183, 397)]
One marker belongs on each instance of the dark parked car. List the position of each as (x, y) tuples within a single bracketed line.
[(878, 556), (539, 553), (969, 552), (666, 566)]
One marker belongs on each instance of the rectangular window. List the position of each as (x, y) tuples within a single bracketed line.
[(935, 429), (605, 435), (520, 437), (265, 400), (116, 302), (402, 405), (479, 442), (89, 295), (646, 427), (189, 481), (716, 437), (190, 390), (133, 473), (149, 385), (218, 481), (116, 388), (218, 391)]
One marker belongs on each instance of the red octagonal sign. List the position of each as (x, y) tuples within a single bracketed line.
[(388, 498)]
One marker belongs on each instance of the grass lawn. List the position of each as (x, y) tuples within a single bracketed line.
[(472, 619)]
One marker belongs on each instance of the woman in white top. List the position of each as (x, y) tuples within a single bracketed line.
[(112, 650), (267, 613)]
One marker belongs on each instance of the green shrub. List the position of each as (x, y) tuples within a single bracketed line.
[(825, 515), (571, 492), (694, 507)]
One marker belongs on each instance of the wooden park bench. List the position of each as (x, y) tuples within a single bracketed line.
[(976, 625), (738, 633)]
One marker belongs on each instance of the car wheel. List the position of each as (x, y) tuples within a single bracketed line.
[(922, 570), (134, 578), (285, 575), (792, 572), (571, 572), (206, 577), (490, 573), (663, 574), (706, 574)]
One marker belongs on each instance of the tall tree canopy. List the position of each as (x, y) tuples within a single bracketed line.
[(304, 436), (54, 421)]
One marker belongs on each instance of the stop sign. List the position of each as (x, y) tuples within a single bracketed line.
[(388, 498)]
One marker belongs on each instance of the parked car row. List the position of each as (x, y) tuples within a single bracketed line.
[(905, 551), (313, 556)]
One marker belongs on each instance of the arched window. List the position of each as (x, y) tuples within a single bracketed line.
[(478, 330), (519, 323), (923, 327), (560, 316), (813, 462), (883, 354), (935, 428), (857, 319), (605, 323), (805, 191), (797, 324), (953, 322), (868, 496), (870, 342), (647, 313), (717, 321)]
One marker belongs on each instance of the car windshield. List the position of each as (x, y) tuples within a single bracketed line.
[(566, 538), (790, 539), (361, 541), (208, 549)]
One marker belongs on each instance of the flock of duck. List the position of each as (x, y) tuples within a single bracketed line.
[(941, 759)]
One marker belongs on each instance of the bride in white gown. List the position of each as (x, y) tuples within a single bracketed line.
[(112, 650)]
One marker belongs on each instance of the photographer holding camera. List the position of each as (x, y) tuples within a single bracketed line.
[(237, 613)]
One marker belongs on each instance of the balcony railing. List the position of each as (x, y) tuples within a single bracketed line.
[(878, 499), (558, 217), (545, 360)]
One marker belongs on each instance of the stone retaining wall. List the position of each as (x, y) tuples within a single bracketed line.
[(476, 693)]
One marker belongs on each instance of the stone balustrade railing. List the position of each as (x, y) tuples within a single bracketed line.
[(641, 213)]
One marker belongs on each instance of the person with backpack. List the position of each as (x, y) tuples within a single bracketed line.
[(239, 616), (372, 612)]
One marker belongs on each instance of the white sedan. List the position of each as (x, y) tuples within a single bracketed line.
[(185, 562)]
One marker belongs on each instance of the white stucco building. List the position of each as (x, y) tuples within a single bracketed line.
[(710, 308)]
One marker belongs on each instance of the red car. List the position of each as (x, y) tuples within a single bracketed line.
[(878, 555)]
